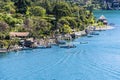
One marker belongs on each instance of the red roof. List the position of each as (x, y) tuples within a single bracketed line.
[(102, 17)]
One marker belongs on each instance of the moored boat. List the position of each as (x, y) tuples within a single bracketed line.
[(89, 36), (94, 33), (26, 48), (83, 42), (67, 46), (61, 42)]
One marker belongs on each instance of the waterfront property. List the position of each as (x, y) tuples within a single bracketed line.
[(19, 34), (103, 19)]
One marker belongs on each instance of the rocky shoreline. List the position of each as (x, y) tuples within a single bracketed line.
[(56, 40), (104, 28)]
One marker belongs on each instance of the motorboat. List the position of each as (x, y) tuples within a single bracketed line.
[(83, 42), (94, 33), (67, 46)]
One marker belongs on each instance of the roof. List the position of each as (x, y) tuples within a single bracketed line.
[(104, 21), (19, 34), (102, 17)]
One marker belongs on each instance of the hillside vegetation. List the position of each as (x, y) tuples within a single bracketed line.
[(42, 18)]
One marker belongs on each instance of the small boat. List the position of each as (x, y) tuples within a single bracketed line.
[(111, 24), (67, 46), (26, 48), (93, 33), (83, 42), (101, 30), (61, 42)]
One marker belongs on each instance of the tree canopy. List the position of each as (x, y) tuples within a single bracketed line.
[(43, 17)]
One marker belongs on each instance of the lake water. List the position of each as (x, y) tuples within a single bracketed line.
[(97, 60)]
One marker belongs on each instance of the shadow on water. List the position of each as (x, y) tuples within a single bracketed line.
[(2, 55)]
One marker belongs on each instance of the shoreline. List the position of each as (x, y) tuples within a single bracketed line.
[(47, 43), (104, 28)]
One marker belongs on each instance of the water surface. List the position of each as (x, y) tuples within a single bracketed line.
[(97, 60)]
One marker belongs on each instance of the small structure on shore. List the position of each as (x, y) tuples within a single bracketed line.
[(103, 19), (19, 34), (24, 40)]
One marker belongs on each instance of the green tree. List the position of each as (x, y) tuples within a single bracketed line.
[(62, 9), (3, 26), (37, 11), (9, 7), (65, 29), (69, 21), (48, 6), (41, 27), (22, 5)]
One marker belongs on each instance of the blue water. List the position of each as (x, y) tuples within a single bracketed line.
[(97, 60)]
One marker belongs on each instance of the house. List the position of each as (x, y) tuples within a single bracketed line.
[(19, 34), (103, 20)]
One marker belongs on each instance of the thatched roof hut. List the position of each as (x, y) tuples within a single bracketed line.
[(102, 17)]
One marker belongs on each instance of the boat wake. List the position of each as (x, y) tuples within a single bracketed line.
[(61, 61)]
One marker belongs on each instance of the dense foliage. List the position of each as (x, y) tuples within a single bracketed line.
[(43, 18)]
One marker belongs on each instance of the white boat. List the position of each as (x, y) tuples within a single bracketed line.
[(67, 46)]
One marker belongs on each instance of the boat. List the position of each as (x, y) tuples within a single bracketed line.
[(111, 24), (89, 36), (61, 42), (83, 42), (26, 48), (94, 33), (68, 46)]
